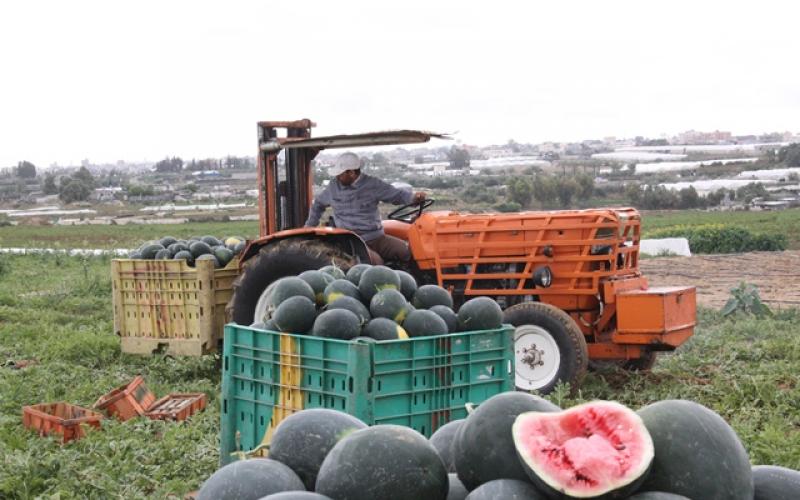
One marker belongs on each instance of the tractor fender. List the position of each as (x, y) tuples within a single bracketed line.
[(347, 241)]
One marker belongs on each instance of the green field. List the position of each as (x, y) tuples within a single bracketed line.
[(56, 310), (108, 236), (773, 222)]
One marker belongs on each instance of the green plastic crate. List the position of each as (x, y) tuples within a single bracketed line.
[(421, 383)]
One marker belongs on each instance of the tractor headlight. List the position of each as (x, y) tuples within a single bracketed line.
[(543, 276)]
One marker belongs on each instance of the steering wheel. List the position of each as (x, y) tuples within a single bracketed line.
[(411, 212)]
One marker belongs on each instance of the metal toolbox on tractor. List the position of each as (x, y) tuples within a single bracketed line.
[(166, 304), (422, 382), (657, 315)]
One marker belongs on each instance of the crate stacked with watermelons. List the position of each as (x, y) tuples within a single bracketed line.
[(170, 294)]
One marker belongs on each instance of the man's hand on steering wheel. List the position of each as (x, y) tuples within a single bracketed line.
[(419, 197)]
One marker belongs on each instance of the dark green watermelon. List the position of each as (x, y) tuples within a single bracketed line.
[(375, 279), (166, 241), (384, 329), (163, 254), (249, 480), (428, 296), (443, 439), (389, 303), (211, 241), (480, 313), (199, 248), (341, 288), (334, 271), (337, 324), (484, 449), (424, 323), (150, 250), (354, 273), (223, 255), (295, 315), (449, 317), (697, 454), (303, 439), (284, 288), (408, 285), (775, 483), (657, 495), (317, 280), (353, 306), (184, 255), (296, 495), (383, 462), (506, 489)]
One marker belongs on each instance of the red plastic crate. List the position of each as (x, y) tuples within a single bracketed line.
[(177, 406), (61, 418), (127, 401)]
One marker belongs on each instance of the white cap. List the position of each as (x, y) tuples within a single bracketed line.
[(345, 161)]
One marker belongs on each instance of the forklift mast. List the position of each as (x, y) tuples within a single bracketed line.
[(284, 188)]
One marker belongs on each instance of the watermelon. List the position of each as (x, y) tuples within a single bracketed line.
[(340, 288), (384, 329), (590, 450), (199, 248), (337, 324), (223, 255), (428, 296), (149, 250), (480, 313), (388, 303), (166, 241), (296, 495), (375, 279), (211, 241), (772, 482), (484, 449), (354, 273), (249, 480), (163, 254), (334, 271), (507, 489), (284, 288), (657, 495), (303, 439), (449, 317), (443, 439), (295, 315), (424, 323), (317, 280), (184, 255), (354, 307), (408, 285), (697, 454), (383, 462)]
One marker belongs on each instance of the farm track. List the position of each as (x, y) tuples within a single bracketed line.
[(776, 274)]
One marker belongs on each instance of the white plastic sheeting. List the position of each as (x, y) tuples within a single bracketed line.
[(665, 246)]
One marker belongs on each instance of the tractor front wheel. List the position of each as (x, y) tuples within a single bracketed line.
[(288, 257), (548, 347)]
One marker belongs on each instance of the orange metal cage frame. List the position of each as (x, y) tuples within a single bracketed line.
[(463, 249)]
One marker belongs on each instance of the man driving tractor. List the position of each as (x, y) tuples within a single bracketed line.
[(354, 197)]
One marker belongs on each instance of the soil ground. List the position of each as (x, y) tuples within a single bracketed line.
[(776, 274)]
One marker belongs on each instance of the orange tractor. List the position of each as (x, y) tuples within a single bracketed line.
[(569, 281)]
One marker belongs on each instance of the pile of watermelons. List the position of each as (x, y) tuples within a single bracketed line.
[(371, 302), (513, 446), (221, 251)]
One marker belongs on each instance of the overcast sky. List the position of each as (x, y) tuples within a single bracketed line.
[(113, 80)]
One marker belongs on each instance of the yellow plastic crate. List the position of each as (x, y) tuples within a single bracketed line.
[(166, 305)]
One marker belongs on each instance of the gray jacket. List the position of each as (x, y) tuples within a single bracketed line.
[(355, 207)]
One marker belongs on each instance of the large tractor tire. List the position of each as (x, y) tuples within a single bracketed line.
[(548, 347), (288, 257)]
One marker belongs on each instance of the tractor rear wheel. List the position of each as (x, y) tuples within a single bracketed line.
[(288, 257), (548, 347)]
